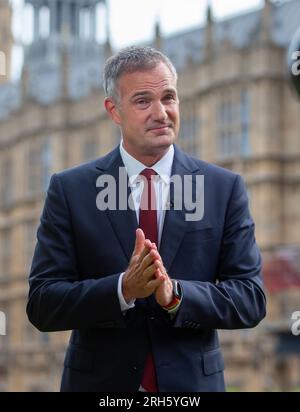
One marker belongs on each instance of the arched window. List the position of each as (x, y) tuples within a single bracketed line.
[(44, 22)]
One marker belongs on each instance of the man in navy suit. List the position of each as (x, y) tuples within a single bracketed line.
[(144, 299)]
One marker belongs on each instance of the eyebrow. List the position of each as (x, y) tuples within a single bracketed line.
[(147, 93), (140, 94)]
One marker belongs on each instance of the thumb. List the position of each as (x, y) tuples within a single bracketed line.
[(139, 242)]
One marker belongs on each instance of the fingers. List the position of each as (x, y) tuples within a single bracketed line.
[(155, 283), (150, 272), (148, 244), (155, 248), (142, 256), (139, 241), (140, 251), (146, 272), (142, 246), (141, 281), (159, 266), (148, 260), (151, 257), (147, 248)]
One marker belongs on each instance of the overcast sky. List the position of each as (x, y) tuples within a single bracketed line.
[(132, 21)]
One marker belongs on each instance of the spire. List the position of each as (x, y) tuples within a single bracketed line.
[(157, 33), (108, 48), (209, 32), (265, 34), (6, 40), (209, 13)]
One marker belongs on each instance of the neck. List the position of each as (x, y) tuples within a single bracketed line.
[(151, 160), (148, 159)]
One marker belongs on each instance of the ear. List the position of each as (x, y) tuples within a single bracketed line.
[(112, 110)]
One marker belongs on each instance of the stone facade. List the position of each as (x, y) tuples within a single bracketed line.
[(6, 40)]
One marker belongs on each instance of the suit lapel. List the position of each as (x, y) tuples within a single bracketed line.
[(175, 220), (123, 222)]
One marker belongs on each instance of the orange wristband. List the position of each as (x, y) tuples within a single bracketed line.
[(174, 302)]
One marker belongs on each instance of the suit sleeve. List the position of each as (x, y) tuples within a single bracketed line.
[(58, 299), (237, 299)]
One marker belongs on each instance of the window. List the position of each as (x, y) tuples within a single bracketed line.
[(90, 149), (44, 17), (6, 189), (233, 119), (190, 129), (29, 240), (39, 166), (5, 253), (84, 23), (33, 167), (46, 164), (245, 123)]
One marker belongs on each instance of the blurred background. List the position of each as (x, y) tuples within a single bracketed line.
[(238, 110)]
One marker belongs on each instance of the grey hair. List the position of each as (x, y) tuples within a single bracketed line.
[(130, 60)]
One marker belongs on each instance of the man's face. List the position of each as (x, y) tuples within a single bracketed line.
[(147, 111)]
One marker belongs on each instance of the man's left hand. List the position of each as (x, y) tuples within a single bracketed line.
[(164, 292)]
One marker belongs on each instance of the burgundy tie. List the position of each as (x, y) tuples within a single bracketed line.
[(148, 223)]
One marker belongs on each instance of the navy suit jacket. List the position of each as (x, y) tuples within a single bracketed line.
[(81, 252)]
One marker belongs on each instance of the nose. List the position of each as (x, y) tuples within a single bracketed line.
[(159, 112)]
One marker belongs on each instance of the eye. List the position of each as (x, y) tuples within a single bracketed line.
[(169, 98), (142, 103)]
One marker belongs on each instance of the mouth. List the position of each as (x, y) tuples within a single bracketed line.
[(161, 128)]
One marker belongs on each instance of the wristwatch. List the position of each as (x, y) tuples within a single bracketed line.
[(173, 305), (176, 288)]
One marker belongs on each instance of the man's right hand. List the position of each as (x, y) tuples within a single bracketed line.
[(139, 280)]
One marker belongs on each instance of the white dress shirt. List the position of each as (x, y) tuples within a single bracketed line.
[(163, 169)]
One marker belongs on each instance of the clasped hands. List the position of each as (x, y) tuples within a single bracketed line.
[(146, 274)]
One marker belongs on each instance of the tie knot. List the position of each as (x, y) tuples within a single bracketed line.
[(147, 173)]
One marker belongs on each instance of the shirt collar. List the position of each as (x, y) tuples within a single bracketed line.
[(134, 167)]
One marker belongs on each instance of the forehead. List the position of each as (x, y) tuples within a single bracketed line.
[(155, 80)]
